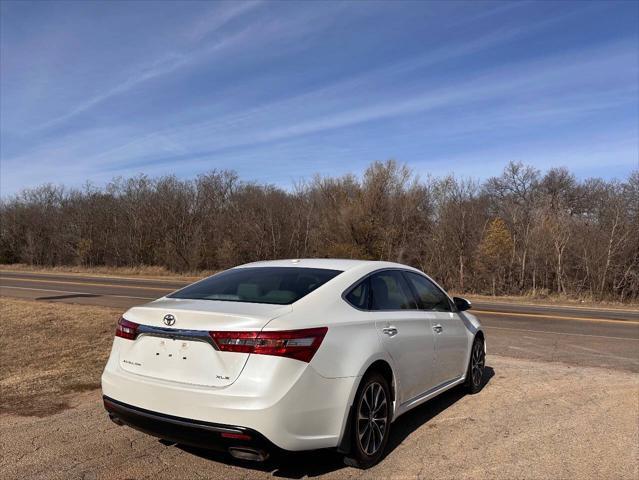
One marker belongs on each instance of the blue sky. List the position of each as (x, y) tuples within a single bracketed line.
[(281, 90)]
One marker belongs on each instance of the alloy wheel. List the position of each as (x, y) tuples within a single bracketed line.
[(477, 363), (372, 418)]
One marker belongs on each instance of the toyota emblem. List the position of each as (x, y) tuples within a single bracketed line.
[(169, 320)]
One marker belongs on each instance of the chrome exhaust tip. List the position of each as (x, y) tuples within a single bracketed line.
[(251, 454)]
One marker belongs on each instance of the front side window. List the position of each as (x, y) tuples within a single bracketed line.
[(274, 285), (429, 296), (389, 291)]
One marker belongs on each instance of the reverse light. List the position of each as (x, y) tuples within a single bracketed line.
[(126, 329), (297, 344)]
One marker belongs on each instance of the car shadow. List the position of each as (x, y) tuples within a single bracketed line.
[(318, 462), (286, 465), (412, 420)]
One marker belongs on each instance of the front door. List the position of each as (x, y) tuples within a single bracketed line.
[(450, 335)]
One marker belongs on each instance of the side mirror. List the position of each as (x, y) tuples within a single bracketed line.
[(462, 304)]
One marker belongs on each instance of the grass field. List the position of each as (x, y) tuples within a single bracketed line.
[(549, 300), (49, 351), (142, 271)]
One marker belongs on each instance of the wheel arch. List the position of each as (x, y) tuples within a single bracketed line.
[(383, 367), (480, 334)]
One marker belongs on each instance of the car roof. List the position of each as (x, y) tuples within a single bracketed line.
[(327, 263)]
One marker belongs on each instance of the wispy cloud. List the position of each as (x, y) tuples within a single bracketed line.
[(172, 61), (321, 85), (219, 17), (345, 94), (521, 84)]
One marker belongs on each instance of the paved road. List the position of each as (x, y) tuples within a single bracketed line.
[(575, 335)]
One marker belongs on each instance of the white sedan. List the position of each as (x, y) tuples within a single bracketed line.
[(291, 355)]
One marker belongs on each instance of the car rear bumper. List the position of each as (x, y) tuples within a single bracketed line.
[(285, 400), (185, 431)]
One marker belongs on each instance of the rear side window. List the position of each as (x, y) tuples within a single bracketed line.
[(389, 291), (429, 296), (359, 296), (275, 285)]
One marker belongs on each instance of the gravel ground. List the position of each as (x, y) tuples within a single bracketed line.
[(532, 420)]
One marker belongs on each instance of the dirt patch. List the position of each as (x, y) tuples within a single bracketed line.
[(50, 350), (533, 420)]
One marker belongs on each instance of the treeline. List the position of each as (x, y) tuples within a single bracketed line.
[(521, 232)]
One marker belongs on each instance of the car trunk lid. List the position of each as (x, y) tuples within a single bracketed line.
[(173, 343)]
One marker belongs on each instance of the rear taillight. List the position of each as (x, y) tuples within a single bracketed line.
[(297, 344), (126, 329)]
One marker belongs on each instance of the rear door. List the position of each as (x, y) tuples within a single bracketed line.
[(450, 334), (404, 331)]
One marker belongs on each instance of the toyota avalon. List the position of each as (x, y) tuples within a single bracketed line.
[(291, 355)]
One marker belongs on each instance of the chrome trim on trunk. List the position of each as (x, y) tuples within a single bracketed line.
[(177, 334)]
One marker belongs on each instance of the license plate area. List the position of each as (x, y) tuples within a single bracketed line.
[(184, 361)]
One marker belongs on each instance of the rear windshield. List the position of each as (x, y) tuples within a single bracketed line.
[(276, 285)]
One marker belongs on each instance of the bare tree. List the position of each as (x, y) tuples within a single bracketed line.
[(521, 232)]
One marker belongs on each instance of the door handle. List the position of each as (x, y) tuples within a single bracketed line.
[(438, 328), (390, 331)]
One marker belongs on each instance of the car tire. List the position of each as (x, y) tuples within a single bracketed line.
[(476, 363), (370, 421)]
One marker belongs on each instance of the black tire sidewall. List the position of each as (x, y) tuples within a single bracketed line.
[(470, 386)]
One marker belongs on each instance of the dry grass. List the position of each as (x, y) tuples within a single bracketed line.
[(50, 350), (551, 300), (141, 271)]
